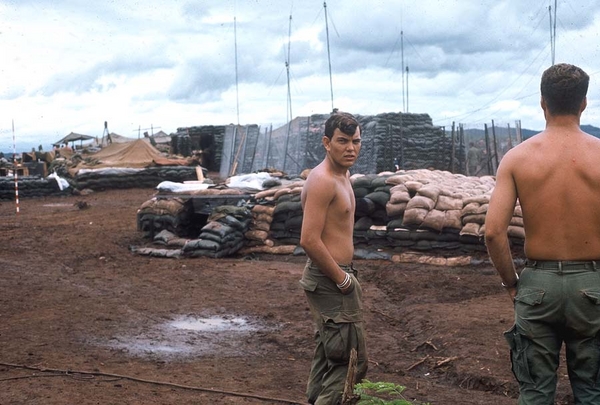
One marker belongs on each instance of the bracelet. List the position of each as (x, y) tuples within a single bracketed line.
[(513, 285), (345, 283)]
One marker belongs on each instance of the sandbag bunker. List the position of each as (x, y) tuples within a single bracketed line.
[(400, 216)]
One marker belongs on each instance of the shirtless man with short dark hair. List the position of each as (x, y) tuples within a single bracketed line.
[(555, 175), (329, 279)]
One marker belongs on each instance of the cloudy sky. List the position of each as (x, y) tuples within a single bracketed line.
[(70, 65)]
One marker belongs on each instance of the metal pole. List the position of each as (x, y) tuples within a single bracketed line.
[(328, 53), (407, 108), (402, 54), (15, 174), (237, 96)]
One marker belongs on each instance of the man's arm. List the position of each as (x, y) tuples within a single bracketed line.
[(497, 220), (319, 193)]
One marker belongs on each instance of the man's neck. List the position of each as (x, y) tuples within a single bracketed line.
[(562, 121)]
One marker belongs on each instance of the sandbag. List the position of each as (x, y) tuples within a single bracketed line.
[(414, 217), (395, 210), (445, 203), (420, 201), (435, 219)]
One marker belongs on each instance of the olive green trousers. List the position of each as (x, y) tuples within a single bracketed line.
[(339, 328), (556, 303)]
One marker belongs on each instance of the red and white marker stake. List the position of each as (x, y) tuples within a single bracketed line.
[(15, 168)]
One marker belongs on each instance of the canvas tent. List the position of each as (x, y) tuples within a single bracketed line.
[(135, 154), (73, 137)]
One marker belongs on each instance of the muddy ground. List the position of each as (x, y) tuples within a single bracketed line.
[(85, 321)]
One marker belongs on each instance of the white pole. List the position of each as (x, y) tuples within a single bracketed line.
[(16, 177)]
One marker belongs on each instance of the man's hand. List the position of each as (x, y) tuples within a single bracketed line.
[(347, 285), (512, 291)]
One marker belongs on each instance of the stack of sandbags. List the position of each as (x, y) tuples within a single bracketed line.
[(173, 214), (372, 195), (121, 177), (412, 139), (263, 237), (31, 186), (425, 207), (473, 219), (286, 216), (258, 234), (223, 234), (516, 232)]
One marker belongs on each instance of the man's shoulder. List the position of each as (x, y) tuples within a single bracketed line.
[(320, 178)]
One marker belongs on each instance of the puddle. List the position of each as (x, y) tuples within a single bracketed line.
[(213, 324), (190, 337), (58, 205)]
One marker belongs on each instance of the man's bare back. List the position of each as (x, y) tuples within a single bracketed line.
[(557, 180)]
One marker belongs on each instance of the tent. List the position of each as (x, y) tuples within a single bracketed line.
[(135, 154), (72, 137)]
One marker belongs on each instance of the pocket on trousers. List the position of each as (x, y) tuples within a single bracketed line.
[(336, 341), (593, 295), (518, 344), (309, 284), (530, 296)]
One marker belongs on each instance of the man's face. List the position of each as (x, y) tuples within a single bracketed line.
[(343, 149)]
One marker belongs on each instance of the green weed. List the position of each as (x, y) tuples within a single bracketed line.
[(381, 393)]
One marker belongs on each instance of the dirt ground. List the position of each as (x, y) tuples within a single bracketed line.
[(85, 321)]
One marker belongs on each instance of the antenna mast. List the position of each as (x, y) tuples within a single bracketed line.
[(553, 30), (407, 89), (328, 53), (287, 66), (237, 93), (402, 55)]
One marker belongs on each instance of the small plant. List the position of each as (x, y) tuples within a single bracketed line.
[(387, 394)]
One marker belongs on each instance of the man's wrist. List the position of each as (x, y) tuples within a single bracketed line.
[(513, 284), (344, 284)]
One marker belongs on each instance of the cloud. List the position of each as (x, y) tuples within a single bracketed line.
[(70, 65)]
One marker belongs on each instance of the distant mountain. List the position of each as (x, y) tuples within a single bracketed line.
[(592, 130), (474, 134)]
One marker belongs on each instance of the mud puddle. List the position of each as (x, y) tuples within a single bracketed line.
[(191, 336)]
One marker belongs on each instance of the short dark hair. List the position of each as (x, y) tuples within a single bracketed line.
[(345, 122), (564, 88)]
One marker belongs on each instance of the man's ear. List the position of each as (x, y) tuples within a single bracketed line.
[(326, 141), (583, 105)]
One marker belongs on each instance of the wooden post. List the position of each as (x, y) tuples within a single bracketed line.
[(495, 146), (254, 152), (488, 150), (237, 154), (269, 145), (461, 143), (509, 138), (452, 152), (306, 143), (441, 150), (348, 397)]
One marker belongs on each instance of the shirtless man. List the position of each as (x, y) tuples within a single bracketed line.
[(329, 280), (555, 175)]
